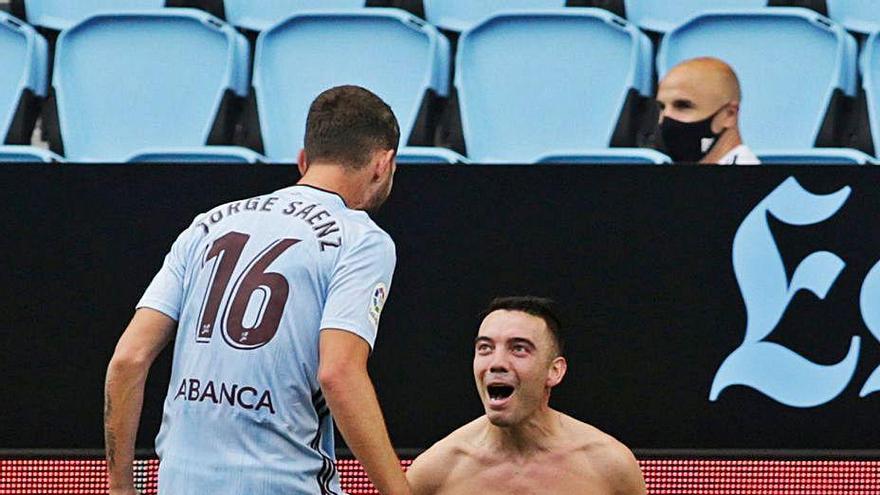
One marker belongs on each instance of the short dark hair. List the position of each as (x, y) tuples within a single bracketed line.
[(540, 307), (347, 124)]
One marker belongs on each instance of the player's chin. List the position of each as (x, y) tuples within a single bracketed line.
[(501, 419)]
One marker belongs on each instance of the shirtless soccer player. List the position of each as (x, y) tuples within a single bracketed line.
[(522, 446)]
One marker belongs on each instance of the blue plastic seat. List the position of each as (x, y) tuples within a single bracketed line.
[(27, 154), (61, 14), (664, 15), (138, 80), (870, 64), (611, 156), (531, 83), (814, 156), (258, 15), (429, 156), (857, 15), (23, 66), (791, 62), (461, 15), (198, 154), (391, 53)]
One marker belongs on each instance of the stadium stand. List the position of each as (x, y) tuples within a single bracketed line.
[(130, 81), (664, 15), (61, 14), (410, 155), (797, 69), (460, 15), (198, 154), (23, 84), (257, 15), (870, 64), (27, 154), (817, 156), (862, 16), (528, 86), (301, 57), (618, 156)]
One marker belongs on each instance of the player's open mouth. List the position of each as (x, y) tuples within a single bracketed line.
[(499, 394)]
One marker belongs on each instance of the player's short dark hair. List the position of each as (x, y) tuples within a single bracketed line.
[(540, 307), (347, 124)]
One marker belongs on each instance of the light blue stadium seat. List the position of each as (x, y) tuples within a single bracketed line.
[(610, 156), (198, 154), (61, 14), (136, 80), (871, 82), (393, 54), (258, 15), (791, 62), (857, 15), (664, 15), (531, 83), (430, 156), (23, 66), (460, 15), (814, 156), (27, 154)]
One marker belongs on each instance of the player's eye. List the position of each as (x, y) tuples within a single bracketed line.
[(483, 348)]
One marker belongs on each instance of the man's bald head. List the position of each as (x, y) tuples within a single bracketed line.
[(695, 89)]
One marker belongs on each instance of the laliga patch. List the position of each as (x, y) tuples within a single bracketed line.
[(377, 302)]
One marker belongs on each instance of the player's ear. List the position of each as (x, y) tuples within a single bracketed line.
[(302, 162), (557, 370), (731, 114), (384, 164)]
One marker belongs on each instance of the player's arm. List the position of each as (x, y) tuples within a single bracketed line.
[(625, 473), (428, 470), (143, 339), (352, 400)]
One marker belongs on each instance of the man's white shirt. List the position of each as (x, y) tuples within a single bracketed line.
[(741, 155)]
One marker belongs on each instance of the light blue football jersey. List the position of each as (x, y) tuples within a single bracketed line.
[(251, 284)]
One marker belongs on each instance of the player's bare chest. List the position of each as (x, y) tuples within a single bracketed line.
[(542, 476)]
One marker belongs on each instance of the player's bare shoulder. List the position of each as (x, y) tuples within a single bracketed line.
[(440, 467), (600, 453)]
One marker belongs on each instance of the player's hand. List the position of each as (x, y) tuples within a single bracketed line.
[(124, 491)]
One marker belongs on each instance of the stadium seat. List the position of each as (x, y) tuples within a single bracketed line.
[(311, 52), (23, 66), (532, 83), (61, 14), (613, 156), (27, 154), (460, 15), (258, 15), (871, 82), (199, 154), (794, 66), (815, 156), (862, 16), (130, 81), (428, 155), (664, 15)]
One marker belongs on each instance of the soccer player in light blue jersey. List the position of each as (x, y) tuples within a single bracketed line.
[(273, 303)]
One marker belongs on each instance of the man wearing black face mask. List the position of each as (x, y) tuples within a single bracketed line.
[(699, 114)]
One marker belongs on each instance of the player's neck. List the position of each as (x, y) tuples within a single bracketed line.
[(537, 434), (337, 180), (729, 140)]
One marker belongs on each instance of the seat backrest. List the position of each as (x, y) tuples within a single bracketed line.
[(790, 61), (857, 15), (135, 80), (258, 15), (61, 14), (871, 81), (533, 82), (23, 66), (460, 15), (391, 53), (664, 15)]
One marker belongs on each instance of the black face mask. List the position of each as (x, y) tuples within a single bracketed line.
[(688, 142)]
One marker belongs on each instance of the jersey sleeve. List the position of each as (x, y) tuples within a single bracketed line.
[(359, 287), (165, 292)]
